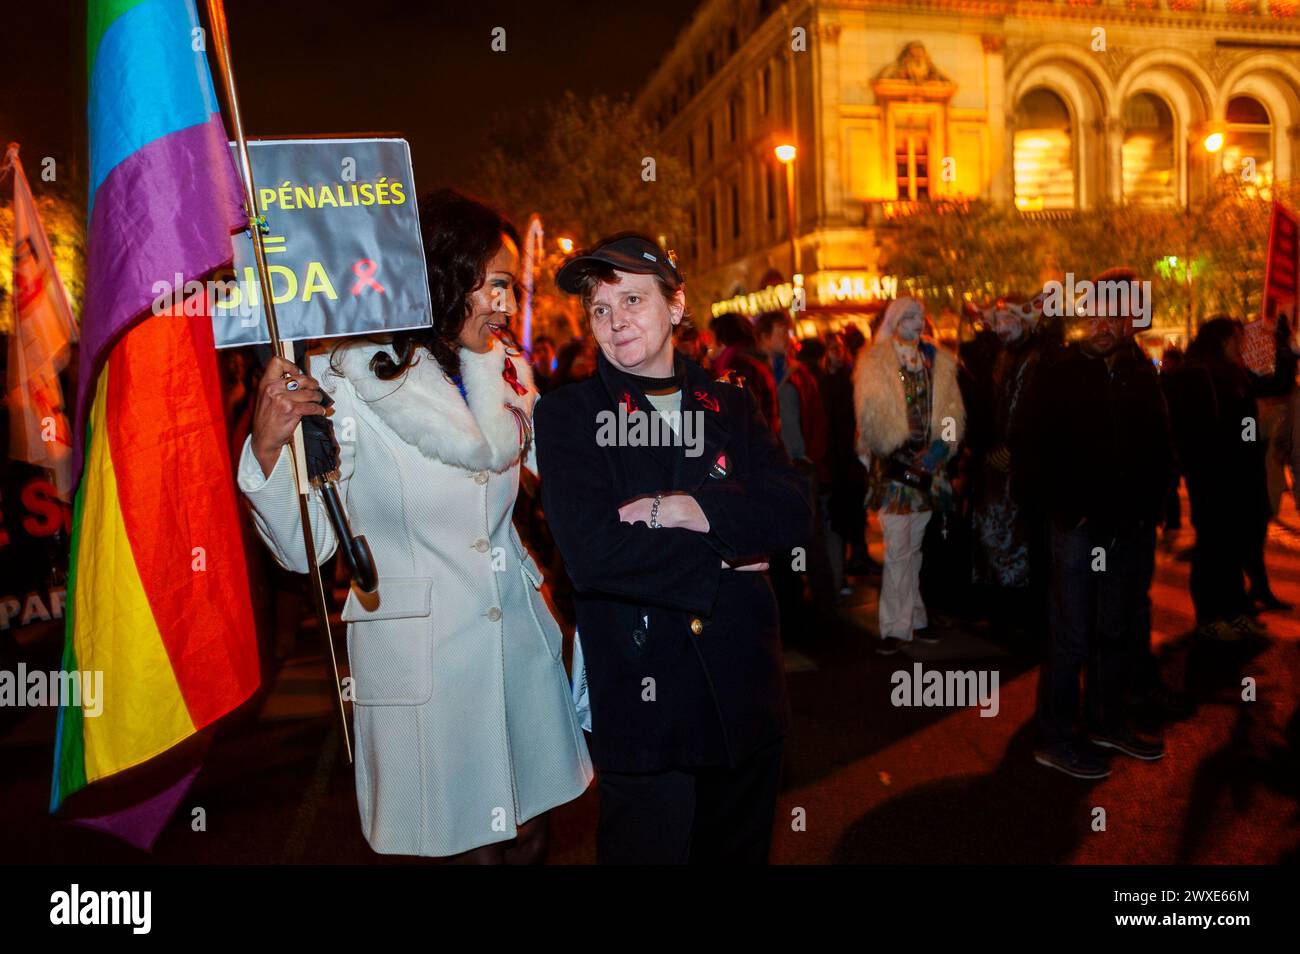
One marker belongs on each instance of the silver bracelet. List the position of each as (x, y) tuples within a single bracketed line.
[(654, 512)]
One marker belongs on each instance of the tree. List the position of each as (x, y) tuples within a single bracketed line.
[(945, 252), (591, 167), (585, 171)]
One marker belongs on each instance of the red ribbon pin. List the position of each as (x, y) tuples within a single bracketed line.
[(512, 378), (708, 400)]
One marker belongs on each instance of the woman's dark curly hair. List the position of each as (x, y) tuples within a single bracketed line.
[(461, 235)]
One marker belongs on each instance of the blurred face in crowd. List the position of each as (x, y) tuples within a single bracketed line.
[(908, 328), (543, 355), (632, 322), (1007, 327), (584, 364), (1102, 334), (1232, 350), (837, 356), (694, 346), (776, 341), (493, 303)]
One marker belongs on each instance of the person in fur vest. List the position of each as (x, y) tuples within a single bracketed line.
[(910, 420)]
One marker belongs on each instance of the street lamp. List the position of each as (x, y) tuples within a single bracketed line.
[(786, 153), (566, 245), (1213, 142)]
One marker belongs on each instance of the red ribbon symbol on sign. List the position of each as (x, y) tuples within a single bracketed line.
[(365, 270)]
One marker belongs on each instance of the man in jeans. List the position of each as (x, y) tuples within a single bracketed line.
[(1096, 446)]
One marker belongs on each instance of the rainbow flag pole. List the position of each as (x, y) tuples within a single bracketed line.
[(158, 614), (258, 227)]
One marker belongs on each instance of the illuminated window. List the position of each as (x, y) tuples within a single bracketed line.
[(1248, 143), (1043, 153), (1149, 159), (912, 160)]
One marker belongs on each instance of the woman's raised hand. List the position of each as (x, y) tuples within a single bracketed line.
[(280, 407)]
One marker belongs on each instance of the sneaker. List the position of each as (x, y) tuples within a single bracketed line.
[(1220, 632), (1249, 627), (1073, 761), (926, 635), (1148, 750), (889, 645)]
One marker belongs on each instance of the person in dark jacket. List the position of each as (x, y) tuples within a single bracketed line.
[(1272, 394), (848, 514), (1223, 460), (737, 359), (1094, 458), (666, 544)]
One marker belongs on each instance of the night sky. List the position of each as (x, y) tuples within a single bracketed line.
[(422, 69)]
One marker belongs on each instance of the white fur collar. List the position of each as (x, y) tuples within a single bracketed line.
[(425, 409)]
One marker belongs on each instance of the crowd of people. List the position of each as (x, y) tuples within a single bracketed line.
[(1022, 478), (1025, 481)]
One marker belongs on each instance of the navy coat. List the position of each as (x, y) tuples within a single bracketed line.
[(717, 695)]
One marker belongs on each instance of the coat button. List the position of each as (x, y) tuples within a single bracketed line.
[(494, 614), (697, 625), (481, 477), (482, 544)]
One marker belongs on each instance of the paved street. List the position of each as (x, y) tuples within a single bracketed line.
[(869, 781)]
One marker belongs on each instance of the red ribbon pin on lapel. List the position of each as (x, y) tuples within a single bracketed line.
[(707, 400), (512, 378)]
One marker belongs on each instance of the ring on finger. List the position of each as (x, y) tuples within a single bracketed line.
[(291, 385)]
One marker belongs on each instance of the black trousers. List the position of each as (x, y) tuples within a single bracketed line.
[(693, 816), (1092, 617), (1223, 541)]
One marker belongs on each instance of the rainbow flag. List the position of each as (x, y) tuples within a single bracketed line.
[(158, 598)]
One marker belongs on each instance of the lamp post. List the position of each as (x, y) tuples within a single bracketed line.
[(786, 154)]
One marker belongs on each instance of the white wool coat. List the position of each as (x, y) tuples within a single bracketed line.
[(880, 404), (464, 723)]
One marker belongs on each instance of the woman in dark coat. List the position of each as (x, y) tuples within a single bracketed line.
[(666, 542)]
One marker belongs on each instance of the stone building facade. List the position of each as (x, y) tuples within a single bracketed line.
[(1051, 105)]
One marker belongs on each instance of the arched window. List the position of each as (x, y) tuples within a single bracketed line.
[(1149, 159), (1248, 142), (1043, 153)]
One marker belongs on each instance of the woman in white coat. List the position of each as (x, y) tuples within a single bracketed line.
[(465, 729)]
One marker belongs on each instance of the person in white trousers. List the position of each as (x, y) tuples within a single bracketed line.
[(910, 421)]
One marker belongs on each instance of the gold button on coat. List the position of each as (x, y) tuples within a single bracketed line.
[(697, 625), (481, 477), (494, 614), (482, 544)]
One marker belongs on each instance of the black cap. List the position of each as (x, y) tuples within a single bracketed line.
[(627, 252)]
